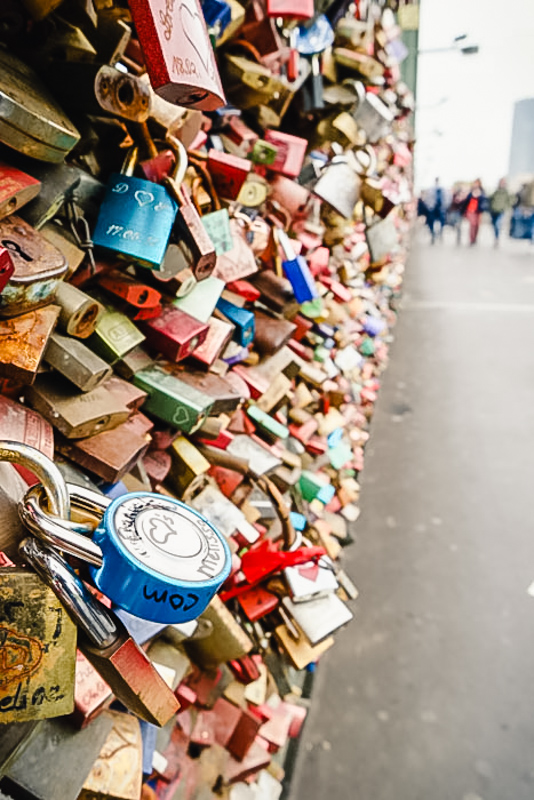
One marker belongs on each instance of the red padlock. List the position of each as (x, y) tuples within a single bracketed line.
[(178, 53)]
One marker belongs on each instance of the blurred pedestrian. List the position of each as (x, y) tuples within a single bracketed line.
[(499, 203), (435, 202), (476, 203), (456, 211)]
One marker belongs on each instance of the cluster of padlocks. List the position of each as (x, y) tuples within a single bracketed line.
[(204, 219)]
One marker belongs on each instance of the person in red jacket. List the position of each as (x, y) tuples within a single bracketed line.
[(475, 203)]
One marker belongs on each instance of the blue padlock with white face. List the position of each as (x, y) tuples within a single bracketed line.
[(151, 555), (136, 216)]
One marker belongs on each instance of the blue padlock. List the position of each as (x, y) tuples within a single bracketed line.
[(217, 15), (297, 271), (151, 555), (242, 319), (161, 560), (136, 216)]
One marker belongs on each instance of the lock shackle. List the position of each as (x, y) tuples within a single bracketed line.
[(130, 161), (98, 624), (45, 469), (58, 533), (175, 179), (71, 537)]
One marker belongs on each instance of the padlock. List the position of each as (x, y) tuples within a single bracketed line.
[(159, 163), (136, 216), (140, 301), (104, 640), (339, 186), (32, 122), (371, 113), (228, 173), (166, 567), (44, 770), (114, 336), (117, 773), (188, 221), (37, 650), (91, 693), (382, 238), (312, 40), (290, 152), (218, 335), (217, 15), (225, 397), (239, 262), (110, 454), (297, 271), (74, 414), (23, 343), (172, 400), (99, 89), (217, 224), (178, 53), (200, 298), (76, 362), (174, 333), (318, 619), (242, 319), (16, 189), (7, 267), (79, 312), (38, 267)]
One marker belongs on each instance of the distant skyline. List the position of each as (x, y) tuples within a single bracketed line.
[(465, 103)]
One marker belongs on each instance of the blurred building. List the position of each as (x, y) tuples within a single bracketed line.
[(522, 147)]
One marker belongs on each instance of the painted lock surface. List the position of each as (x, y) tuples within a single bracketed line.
[(162, 561), (135, 219)]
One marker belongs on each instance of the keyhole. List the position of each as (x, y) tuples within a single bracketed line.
[(14, 247)]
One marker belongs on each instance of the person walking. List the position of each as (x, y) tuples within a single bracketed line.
[(499, 203), (436, 210), (456, 211), (475, 204)]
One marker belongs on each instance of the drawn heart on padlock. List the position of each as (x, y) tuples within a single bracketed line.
[(309, 571), (143, 198), (195, 33), (180, 416)]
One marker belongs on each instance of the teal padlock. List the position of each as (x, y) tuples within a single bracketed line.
[(136, 216)]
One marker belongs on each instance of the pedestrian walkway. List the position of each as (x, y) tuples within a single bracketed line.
[(429, 693)]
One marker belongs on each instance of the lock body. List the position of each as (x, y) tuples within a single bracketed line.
[(172, 400), (16, 189), (37, 650), (178, 53), (38, 267), (135, 219), (162, 561)]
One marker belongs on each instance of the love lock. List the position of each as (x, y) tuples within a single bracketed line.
[(151, 555)]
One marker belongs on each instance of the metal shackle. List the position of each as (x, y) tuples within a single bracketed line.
[(45, 469), (71, 537), (97, 623)]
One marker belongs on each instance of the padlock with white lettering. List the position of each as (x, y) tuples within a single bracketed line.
[(136, 216), (152, 555)]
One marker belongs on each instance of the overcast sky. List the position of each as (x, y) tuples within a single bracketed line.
[(465, 102)]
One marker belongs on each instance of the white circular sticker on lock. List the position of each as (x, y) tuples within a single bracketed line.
[(171, 540)]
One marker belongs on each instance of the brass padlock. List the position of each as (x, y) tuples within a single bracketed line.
[(37, 649), (31, 121)]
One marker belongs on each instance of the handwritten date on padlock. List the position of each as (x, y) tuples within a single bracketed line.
[(167, 28)]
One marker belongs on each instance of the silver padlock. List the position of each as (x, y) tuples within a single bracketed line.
[(339, 186)]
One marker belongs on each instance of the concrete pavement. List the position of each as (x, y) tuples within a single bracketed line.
[(429, 693)]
